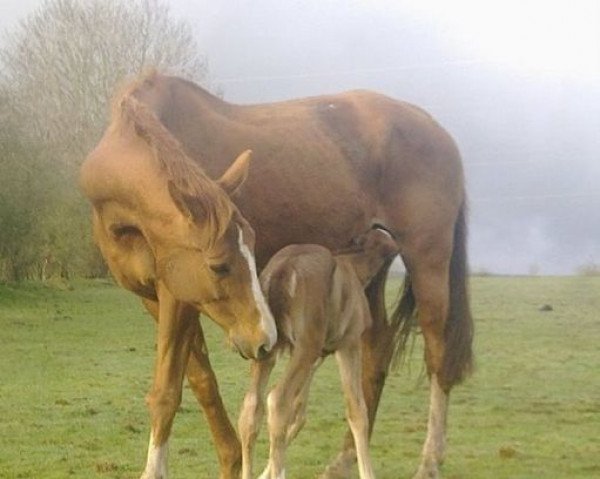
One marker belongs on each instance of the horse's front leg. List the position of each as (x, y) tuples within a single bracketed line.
[(175, 320), (203, 382)]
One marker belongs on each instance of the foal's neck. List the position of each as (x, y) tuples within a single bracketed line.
[(365, 265)]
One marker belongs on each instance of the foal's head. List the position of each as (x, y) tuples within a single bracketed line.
[(370, 251)]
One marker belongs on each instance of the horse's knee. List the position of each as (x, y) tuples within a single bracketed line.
[(204, 385), (165, 400), (163, 404)]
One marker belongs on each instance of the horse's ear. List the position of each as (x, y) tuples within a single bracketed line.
[(236, 174), (189, 205)]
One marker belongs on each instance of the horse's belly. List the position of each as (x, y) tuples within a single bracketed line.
[(328, 217)]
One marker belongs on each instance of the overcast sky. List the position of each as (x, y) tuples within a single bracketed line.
[(517, 83)]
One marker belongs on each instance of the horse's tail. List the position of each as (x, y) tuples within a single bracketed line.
[(458, 357)]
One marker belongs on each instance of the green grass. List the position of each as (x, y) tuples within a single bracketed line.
[(76, 362)]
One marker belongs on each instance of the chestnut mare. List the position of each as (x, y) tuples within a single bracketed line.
[(324, 170), (173, 236), (320, 308)]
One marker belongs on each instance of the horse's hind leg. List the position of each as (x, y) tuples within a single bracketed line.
[(252, 411), (429, 269), (349, 361)]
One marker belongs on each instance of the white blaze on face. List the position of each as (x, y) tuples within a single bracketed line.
[(267, 321), (156, 465)]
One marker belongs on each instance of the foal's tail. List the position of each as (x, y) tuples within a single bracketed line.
[(458, 358)]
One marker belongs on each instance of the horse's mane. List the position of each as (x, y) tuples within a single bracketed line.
[(185, 174)]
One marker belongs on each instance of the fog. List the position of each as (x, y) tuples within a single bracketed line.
[(516, 83)]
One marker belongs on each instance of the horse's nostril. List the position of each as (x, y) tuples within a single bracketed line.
[(262, 352)]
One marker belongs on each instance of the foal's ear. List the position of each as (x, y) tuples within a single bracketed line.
[(385, 243), (389, 247), (236, 174)]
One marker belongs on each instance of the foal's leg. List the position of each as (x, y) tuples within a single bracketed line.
[(279, 403), (377, 352), (299, 407), (252, 411), (349, 360), (203, 383), (173, 346)]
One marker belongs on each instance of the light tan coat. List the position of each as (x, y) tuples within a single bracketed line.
[(320, 308)]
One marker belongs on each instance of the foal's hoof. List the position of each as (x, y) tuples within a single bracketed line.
[(428, 470), (335, 472), (153, 475), (341, 467)]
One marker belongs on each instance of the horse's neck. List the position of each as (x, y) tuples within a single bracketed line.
[(202, 98), (203, 125), (189, 101)]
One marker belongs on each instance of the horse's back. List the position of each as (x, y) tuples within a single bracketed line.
[(332, 164)]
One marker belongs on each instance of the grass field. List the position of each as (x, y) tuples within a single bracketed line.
[(76, 362)]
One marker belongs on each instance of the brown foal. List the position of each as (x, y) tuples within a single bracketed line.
[(319, 305)]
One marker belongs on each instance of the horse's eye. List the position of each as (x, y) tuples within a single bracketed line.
[(221, 269)]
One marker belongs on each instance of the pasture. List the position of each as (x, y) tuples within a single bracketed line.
[(76, 363)]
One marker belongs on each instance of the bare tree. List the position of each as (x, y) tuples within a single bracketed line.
[(63, 62), (58, 71)]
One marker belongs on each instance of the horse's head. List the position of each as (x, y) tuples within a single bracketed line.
[(212, 265), (202, 246)]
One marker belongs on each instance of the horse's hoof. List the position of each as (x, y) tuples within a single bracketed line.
[(233, 472)]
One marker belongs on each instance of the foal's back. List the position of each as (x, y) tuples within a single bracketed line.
[(317, 298), (296, 283)]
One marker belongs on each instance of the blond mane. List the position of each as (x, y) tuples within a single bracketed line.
[(178, 167)]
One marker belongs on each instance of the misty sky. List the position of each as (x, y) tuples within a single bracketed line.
[(517, 83)]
